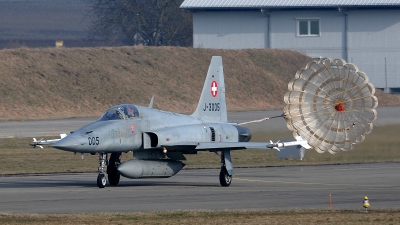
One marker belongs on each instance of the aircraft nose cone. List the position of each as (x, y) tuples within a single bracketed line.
[(67, 144)]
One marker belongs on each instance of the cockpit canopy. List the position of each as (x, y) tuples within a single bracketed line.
[(120, 112)]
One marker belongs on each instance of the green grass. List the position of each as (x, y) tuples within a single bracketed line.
[(17, 157), (214, 217)]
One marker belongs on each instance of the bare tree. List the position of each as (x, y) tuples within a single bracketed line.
[(142, 22)]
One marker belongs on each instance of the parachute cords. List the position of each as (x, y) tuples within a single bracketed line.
[(261, 120)]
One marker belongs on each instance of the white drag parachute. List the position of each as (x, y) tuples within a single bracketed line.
[(331, 104)]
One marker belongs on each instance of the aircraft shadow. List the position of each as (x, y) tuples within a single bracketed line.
[(59, 183)]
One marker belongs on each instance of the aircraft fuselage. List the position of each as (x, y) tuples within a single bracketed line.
[(123, 134)]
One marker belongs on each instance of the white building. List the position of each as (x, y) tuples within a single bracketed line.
[(364, 32)]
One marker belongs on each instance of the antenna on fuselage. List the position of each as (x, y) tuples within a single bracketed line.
[(151, 102)]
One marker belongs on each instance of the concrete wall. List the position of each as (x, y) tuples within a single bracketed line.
[(229, 30), (328, 44), (374, 45), (372, 36)]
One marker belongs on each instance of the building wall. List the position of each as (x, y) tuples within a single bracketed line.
[(330, 43), (374, 45), (229, 30), (249, 29), (372, 38)]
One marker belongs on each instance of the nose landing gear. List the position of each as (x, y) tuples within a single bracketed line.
[(112, 171), (101, 178)]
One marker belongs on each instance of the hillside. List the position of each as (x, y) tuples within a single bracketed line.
[(79, 82)]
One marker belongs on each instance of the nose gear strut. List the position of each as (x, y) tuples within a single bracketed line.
[(101, 178)]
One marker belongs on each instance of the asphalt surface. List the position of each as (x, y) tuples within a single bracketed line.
[(273, 188)]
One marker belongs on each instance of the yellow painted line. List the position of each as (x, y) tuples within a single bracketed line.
[(305, 183), (282, 182)]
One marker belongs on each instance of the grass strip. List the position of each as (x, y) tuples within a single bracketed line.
[(17, 157), (389, 216)]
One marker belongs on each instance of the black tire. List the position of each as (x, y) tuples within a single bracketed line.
[(101, 180), (113, 175), (224, 178), (112, 169)]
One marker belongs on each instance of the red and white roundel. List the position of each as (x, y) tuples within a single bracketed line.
[(214, 88)]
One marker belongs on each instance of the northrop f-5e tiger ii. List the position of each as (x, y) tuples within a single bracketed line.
[(160, 140)]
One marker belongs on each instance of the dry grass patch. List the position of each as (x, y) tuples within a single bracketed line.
[(80, 82), (213, 217)]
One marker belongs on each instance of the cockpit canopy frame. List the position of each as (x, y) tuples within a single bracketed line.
[(120, 112)]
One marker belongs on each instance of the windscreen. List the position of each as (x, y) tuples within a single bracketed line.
[(120, 112)]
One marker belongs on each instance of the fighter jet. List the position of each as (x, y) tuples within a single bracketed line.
[(160, 139)]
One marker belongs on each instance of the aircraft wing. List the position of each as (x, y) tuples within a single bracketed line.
[(237, 145), (231, 145), (203, 146)]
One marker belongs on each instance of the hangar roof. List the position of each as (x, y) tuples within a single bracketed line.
[(217, 4)]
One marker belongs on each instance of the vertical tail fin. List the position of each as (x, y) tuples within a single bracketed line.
[(212, 103)]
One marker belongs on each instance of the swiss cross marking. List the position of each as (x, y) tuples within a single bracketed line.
[(214, 88)]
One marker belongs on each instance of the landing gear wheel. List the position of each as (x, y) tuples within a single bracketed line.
[(101, 180), (113, 175), (112, 169), (224, 178)]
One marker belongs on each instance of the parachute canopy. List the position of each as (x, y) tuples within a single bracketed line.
[(331, 104)]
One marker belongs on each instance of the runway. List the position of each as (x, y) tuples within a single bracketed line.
[(273, 188)]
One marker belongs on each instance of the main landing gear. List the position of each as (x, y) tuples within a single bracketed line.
[(225, 176), (112, 171)]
